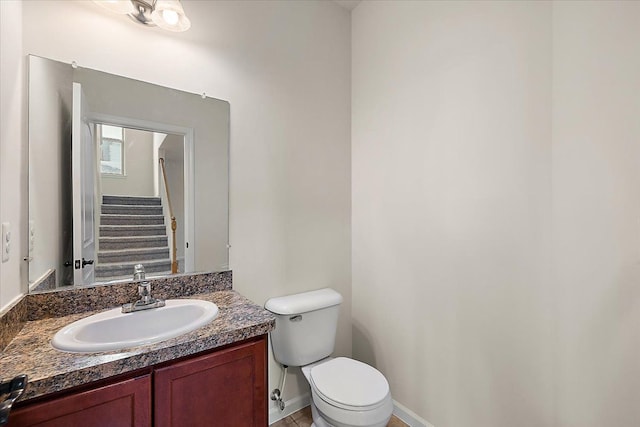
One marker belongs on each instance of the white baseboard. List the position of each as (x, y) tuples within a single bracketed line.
[(409, 417), (11, 303), (290, 406)]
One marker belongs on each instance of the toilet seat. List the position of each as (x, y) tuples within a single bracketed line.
[(348, 384)]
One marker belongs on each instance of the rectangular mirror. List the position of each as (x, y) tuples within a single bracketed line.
[(122, 172)]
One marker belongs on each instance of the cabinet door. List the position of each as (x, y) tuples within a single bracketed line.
[(126, 403), (226, 388)]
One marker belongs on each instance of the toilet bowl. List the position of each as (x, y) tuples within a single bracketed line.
[(344, 392), (348, 393)]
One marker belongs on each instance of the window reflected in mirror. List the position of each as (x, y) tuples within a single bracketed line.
[(111, 150)]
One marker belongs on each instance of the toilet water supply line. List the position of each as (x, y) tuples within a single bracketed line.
[(276, 394)]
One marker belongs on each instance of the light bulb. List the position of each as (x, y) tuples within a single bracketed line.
[(170, 16)]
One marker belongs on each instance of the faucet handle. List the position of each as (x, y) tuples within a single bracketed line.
[(146, 300)]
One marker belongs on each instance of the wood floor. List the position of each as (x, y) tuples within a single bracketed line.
[(302, 418)]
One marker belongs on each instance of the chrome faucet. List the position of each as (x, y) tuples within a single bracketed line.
[(138, 272), (146, 301)]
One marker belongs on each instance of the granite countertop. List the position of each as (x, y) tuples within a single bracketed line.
[(49, 370)]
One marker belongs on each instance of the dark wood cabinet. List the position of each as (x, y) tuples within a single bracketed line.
[(124, 403), (223, 387), (226, 388)]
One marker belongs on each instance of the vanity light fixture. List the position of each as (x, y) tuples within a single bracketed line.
[(166, 14)]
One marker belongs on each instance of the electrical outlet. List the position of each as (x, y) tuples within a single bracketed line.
[(6, 241)]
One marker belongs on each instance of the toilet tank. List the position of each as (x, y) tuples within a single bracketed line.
[(306, 326)]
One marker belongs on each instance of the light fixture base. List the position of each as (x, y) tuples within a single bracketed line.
[(142, 13)]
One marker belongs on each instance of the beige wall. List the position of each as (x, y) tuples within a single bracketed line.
[(495, 192), (451, 140), (284, 68), (596, 212)]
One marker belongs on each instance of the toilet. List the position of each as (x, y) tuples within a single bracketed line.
[(344, 392)]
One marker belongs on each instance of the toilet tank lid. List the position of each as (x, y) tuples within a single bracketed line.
[(304, 302)]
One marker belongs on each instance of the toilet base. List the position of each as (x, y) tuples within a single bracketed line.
[(320, 421)]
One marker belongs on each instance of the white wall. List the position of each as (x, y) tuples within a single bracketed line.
[(50, 169), (495, 191), (13, 172), (285, 69), (596, 211)]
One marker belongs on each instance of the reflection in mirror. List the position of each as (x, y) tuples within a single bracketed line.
[(140, 192), (122, 172)]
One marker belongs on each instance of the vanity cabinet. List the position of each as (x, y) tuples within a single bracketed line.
[(225, 388), (222, 387), (124, 403)]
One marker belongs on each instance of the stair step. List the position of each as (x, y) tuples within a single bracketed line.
[(129, 255), (131, 209), (131, 219), (125, 269), (132, 230), (130, 200), (115, 243)]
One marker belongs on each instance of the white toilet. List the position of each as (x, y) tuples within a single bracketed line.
[(344, 392)]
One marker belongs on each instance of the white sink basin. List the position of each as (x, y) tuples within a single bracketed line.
[(114, 330)]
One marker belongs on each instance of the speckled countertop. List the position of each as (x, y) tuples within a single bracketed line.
[(49, 370)]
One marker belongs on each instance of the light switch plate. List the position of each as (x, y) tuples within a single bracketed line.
[(6, 241)]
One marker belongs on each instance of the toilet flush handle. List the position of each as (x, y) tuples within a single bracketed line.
[(296, 318)]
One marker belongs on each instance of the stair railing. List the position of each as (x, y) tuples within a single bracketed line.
[(174, 224)]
